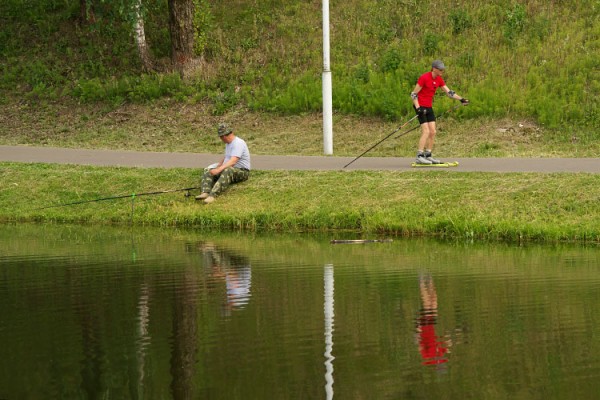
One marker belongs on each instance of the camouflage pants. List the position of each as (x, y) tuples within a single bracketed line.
[(219, 183)]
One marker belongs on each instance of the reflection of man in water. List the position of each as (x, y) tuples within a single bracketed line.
[(432, 349), (234, 269), (238, 282)]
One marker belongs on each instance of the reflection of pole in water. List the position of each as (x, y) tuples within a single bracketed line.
[(328, 308)]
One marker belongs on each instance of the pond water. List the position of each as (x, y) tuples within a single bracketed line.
[(117, 313)]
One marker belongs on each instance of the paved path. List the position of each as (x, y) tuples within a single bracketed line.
[(199, 160)]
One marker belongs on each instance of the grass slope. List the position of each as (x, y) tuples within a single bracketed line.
[(516, 207)]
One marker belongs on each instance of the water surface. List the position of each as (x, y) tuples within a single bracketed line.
[(156, 314)]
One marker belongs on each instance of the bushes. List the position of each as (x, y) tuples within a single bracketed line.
[(515, 21), (136, 89), (509, 58)]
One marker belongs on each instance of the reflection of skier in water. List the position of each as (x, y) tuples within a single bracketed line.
[(234, 269), (433, 350)]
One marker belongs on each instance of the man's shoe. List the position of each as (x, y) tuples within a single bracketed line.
[(422, 160), (429, 157), (433, 160), (209, 200), (202, 196)]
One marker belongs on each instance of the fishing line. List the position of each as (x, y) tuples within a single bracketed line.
[(132, 196)]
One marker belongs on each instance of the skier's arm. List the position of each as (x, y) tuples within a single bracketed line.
[(414, 96), (453, 95)]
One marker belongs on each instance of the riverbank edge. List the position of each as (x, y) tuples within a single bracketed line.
[(514, 207)]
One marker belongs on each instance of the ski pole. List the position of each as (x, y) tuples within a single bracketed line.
[(441, 115), (403, 133), (450, 110), (378, 143)]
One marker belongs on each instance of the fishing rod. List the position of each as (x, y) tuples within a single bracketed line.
[(125, 196), (403, 133)]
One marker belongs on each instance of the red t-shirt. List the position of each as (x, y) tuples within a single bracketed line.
[(429, 86)]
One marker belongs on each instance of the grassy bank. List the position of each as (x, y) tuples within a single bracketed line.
[(67, 83), (535, 59), (477, 206), (168, 125)]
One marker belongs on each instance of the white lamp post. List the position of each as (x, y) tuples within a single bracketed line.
[(327, 102)]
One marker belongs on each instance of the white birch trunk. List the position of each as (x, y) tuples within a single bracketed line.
[(140, 37)]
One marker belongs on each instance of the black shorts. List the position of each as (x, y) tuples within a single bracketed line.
[(429, 116)]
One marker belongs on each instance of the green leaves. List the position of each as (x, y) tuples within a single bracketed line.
[(498, 54), (515, 21)]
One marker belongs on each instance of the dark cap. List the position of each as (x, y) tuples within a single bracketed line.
[(438, 64), (224, 129)]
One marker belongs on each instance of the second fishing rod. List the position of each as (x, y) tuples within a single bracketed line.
[(132, 196), (126, 196)]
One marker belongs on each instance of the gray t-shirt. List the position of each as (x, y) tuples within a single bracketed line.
[(238, 148)]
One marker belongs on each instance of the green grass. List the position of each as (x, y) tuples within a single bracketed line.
[(168, 125), (535, 60), (470, 206), (528, 69)]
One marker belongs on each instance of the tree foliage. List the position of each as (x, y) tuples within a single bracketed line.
[(536, 59)]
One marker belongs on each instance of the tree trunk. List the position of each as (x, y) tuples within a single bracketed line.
[(86, 12), (140, 37), (181, 27)]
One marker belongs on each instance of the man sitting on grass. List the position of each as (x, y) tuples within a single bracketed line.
[(233, 168)]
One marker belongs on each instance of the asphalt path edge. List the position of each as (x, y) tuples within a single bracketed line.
[(141, 159)]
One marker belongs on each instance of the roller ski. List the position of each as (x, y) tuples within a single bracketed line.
[(438, 165), (425, 159)]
